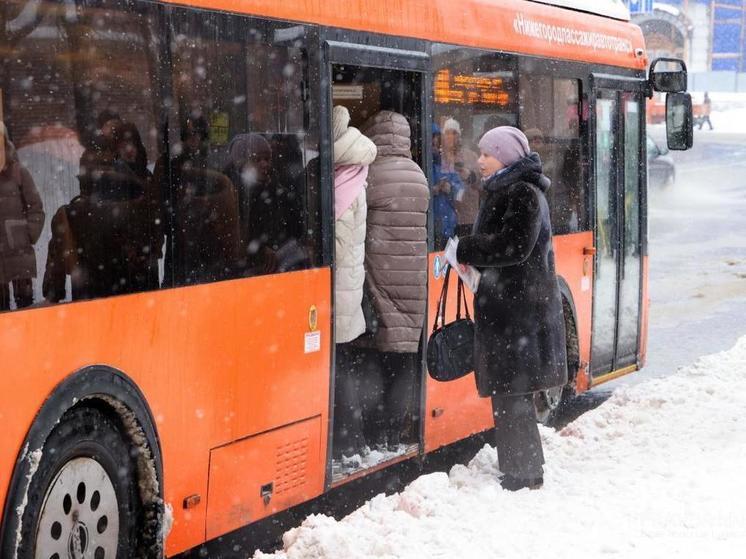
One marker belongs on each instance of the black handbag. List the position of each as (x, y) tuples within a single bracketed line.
[(450, 349)]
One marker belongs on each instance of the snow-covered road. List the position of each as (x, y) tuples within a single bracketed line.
[(656, 471)]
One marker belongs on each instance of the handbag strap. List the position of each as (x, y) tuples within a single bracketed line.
[(440, 312), (462, 296), (458, 299)]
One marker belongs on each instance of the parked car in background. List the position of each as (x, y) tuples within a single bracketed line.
[(661, 168)]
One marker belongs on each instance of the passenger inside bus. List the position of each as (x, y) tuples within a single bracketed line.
[(287, 159), (269, 202), (398, 198), (203, 205), (132, 157), (459, 162), (249, 166), (21, 222), (448, 186), (98, 239), (353, 154)]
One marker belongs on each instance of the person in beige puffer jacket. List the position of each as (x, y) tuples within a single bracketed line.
[(398, 198), (353, 153), (396, 265)]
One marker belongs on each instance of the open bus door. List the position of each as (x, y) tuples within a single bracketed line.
[(367, 79)]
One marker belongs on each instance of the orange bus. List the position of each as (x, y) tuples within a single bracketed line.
[(167, 335)]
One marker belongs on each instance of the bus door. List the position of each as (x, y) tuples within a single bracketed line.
[(619, 169), (369, 427)]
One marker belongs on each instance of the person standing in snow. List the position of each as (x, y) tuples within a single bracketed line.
[(706, 110), (353, 153), (519, 325), (396, 265)]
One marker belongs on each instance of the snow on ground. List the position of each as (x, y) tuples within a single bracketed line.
[(728, 112), (731, 121), (655, 471)]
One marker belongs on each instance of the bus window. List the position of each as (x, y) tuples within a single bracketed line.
[(473, 92), (239, 196), (550, 118), (79, 128)]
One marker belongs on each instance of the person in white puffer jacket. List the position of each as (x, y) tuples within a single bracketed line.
[(353, 153)]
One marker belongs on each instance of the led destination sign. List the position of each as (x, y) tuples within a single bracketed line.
[(469, 89)]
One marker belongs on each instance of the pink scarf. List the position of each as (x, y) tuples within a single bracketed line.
[(349, 182)]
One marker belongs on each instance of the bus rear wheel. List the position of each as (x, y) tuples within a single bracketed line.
[(83, 499), (549, 403)]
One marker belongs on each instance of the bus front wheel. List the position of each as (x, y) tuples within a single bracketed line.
[(82, 500)]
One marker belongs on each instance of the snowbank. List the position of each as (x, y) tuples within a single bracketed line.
[(658, 470)]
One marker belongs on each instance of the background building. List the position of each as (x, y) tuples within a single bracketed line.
[(710, 35)]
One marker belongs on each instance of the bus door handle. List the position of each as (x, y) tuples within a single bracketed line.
[(589, 251)]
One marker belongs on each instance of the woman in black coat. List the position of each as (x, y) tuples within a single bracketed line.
[(519, 325)]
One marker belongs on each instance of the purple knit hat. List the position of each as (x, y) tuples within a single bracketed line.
[(506, 144)]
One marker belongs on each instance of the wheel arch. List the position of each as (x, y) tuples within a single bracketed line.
[(113, 392)]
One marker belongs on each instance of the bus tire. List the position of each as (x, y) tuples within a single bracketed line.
[(549, 403), (82, 500)]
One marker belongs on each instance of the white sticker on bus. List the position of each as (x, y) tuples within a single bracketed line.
[(313, 342)]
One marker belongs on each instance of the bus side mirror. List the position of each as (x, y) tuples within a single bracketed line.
[(679, 121), (668, 81)]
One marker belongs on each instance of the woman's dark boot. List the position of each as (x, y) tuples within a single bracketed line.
[(510, 483)]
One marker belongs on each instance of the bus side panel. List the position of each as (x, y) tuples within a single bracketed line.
[(453, 410), (577, 270), (216, 363), (264, 474), (514, 25)]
